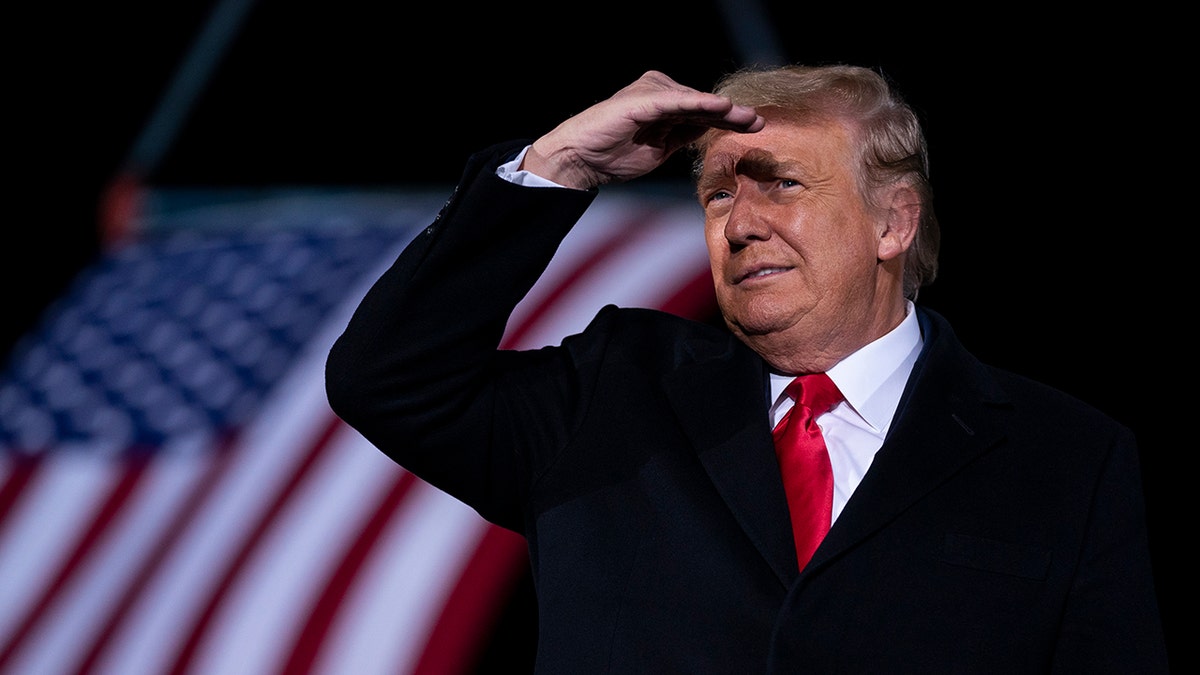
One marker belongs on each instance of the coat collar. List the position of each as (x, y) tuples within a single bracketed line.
[(950, 413), (947, 417)]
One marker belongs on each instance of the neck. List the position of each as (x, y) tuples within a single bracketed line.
[(816, 349)]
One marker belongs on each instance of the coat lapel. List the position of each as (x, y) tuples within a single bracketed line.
[(950, 413), (727, 425), (947, 417)]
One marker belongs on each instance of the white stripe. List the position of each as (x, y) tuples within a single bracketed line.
[(575, 250), (81, 607), (393, 604), (262, 460), (57, 505), (396, 599), (275, 596), (645, 275)]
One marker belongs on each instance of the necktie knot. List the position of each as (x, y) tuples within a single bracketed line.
[(815, 391)]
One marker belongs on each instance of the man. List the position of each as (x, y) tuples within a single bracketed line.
[(981, 522)]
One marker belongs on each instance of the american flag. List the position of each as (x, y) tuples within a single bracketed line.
[(176, 495)]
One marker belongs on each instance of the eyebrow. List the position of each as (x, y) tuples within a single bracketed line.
[(756, 164)]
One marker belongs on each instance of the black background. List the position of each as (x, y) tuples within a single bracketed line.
[(1054, 140)]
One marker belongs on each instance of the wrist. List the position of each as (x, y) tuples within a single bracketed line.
[(560, 166)]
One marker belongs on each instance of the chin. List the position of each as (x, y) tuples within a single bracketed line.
[(756, 318), (754, 327)]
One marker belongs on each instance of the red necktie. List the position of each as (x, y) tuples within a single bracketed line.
[(804, 461)]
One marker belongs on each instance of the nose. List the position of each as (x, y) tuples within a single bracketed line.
[(747, 219)]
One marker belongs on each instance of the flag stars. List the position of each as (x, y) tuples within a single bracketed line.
[(173, 340)]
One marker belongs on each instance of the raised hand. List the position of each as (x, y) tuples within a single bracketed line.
[(633, 132)]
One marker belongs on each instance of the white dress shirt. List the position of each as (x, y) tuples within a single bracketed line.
[(871, 380), (511, 172)]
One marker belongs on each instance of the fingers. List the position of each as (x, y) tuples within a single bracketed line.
[(667, 100), (633, 132)]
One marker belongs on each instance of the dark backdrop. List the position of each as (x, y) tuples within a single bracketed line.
[(1052, 141)]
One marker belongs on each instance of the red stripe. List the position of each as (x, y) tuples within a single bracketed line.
[(474, 604), (622, 237), (306, 648), (116, 501), (23, 469), (171, 534), (468, 613), (694, 300), (456, 617), (184, 658), (311, 638)]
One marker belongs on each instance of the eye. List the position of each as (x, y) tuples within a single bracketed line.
[(717, 195), (789, 183)]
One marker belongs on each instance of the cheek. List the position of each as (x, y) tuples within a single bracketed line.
[(718, 247), (852, 243), (850, 269), (714, 231)]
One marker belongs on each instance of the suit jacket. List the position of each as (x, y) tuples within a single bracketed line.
[(1000, 528)]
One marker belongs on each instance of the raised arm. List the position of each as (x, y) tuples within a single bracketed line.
[(417, 370)]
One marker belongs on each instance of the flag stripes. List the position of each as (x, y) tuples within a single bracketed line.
[(281, 542)]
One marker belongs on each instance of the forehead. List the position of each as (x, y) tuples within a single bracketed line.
[(814, 145)]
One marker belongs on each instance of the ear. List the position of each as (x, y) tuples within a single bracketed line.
[(902, 215)]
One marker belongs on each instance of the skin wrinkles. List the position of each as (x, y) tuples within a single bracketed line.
[(800, 261), (756, 164)]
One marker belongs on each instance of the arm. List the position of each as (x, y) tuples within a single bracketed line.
[(417, 370), (414, 369)]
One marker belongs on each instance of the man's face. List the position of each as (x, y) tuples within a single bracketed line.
[(794, 246)]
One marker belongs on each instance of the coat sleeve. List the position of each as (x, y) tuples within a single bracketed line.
[(1111, 621), (418, 367)]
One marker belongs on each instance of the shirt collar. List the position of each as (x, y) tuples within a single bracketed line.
[(872, 379)]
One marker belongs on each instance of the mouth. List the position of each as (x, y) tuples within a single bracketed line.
[(760, 273)]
